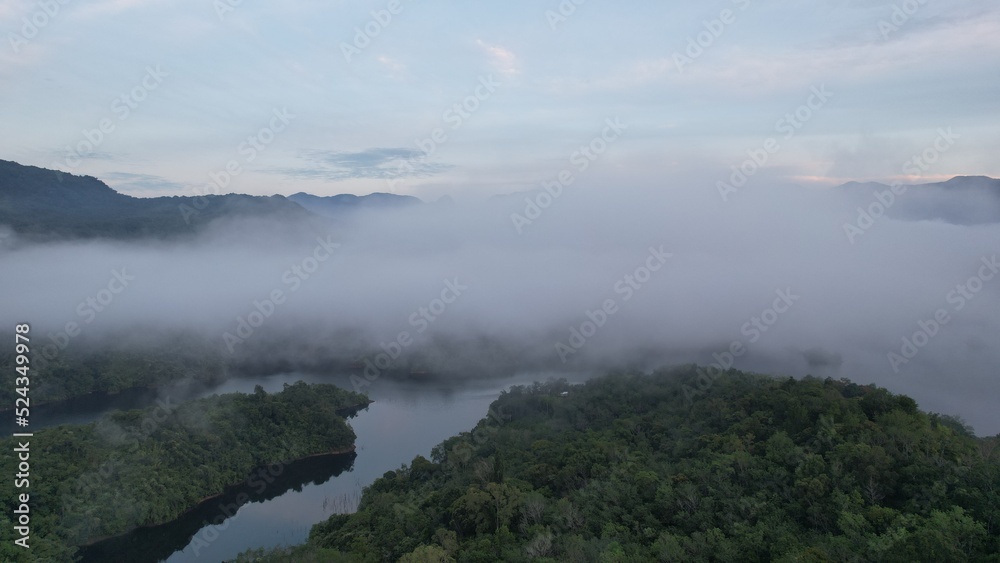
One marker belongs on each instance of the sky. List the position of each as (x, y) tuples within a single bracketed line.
[(179, 97)]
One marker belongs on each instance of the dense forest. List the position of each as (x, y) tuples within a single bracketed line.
[(145, 467), (77, 371), (627, 468)]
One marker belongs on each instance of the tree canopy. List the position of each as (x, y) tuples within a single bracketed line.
[(624, 468), (146, 467)]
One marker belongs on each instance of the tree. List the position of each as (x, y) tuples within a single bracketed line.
[(427, 554)]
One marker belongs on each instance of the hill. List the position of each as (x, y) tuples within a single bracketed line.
[(48, 204)]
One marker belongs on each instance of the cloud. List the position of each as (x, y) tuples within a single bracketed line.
[(127, 182), (380, 163), (854, 303), (501, 59), (394, 66), (859, 53), (916, 47)]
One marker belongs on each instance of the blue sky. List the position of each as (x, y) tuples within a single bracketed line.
[(201, 77)]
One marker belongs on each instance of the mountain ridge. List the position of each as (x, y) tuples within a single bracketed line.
[(41, 203), (45, 204), (961, 200)]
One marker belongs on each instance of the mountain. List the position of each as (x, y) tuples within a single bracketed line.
[(48, 204), (338, 205), (962, 200)]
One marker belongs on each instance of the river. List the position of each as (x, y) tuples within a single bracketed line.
[(281, 504)]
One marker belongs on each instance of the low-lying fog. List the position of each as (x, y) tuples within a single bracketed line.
[(677, 274)]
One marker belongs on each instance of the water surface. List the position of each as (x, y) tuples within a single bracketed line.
[(407, 419)]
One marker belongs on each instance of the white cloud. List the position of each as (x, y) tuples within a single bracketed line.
[(394, 66), (502, 59)]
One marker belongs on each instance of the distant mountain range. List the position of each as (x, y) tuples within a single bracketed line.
[(962, 200), (47, 204), (338, 205)]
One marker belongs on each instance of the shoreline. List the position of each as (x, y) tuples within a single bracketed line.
[(343, 412), (332, 453)]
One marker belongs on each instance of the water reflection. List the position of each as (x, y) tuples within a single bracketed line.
[(407, 419), (198, 530)]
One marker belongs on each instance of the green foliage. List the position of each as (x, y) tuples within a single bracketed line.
[(74, 372), (146, 467), (624, 469)]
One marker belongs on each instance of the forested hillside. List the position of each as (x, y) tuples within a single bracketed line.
[(75, 372), (145, 467), (624, 468), (47, 205)]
